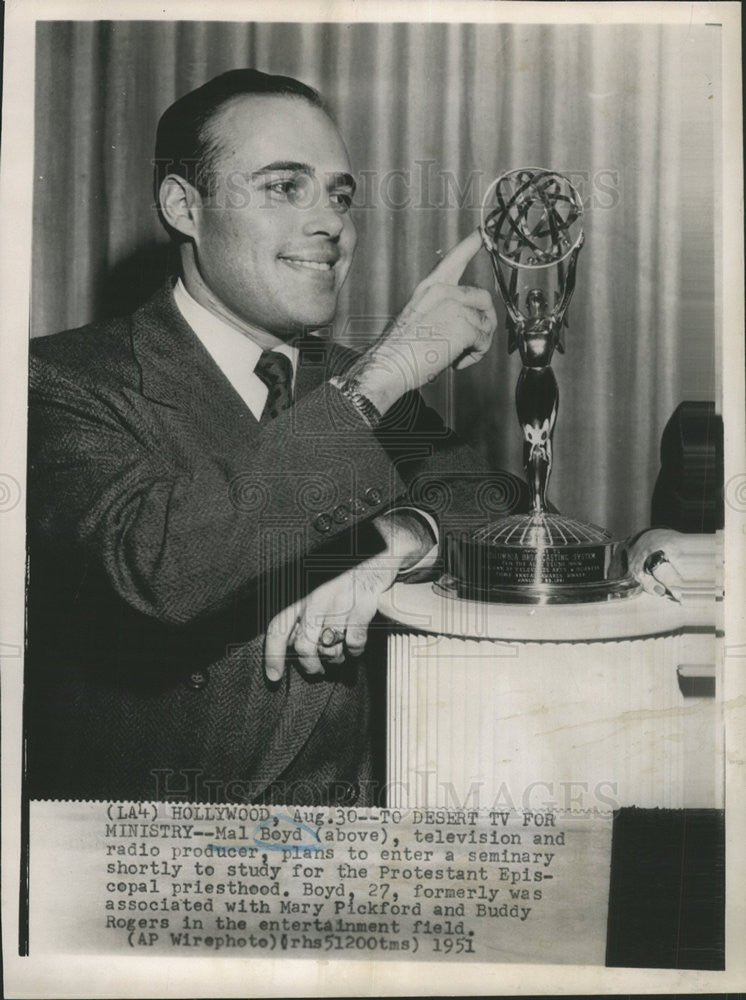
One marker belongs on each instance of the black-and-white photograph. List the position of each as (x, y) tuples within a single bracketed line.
[(376, 507)]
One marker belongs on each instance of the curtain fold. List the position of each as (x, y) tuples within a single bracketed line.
[(431, 113)]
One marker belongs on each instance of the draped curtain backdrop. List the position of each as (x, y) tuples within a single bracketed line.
[(431, 113)]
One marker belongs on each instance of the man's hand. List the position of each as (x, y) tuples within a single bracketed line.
[(652, 558), (332, 621), (443, 324)]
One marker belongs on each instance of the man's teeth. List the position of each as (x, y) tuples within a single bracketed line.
[(313, 264)]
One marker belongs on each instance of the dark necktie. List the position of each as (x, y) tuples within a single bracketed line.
[(276, 371)]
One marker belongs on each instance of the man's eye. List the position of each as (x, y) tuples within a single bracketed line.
[(300, 190), (304, 191), (342, 200), (286, 187)]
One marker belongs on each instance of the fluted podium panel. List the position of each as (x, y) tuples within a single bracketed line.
[(589, 707)]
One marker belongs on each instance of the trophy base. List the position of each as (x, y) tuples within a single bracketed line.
[(536, 559)]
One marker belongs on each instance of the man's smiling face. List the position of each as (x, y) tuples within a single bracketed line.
[(274, 239)]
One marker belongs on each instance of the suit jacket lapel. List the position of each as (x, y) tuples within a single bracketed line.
[(177, 371)]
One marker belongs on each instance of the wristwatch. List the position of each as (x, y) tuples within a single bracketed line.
[(350, 389)]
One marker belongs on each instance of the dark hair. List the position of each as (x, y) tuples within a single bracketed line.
[(184, 144)]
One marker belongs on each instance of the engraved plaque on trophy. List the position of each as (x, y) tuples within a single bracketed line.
[(532, 225)]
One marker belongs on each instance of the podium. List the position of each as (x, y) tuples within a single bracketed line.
[(588, 707)]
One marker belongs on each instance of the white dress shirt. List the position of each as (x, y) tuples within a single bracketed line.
[(234, 352), (236, 355)]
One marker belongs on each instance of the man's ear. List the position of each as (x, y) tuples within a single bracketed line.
[(180, 204)]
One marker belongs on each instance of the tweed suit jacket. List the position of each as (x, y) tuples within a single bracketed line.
[(166, 527)]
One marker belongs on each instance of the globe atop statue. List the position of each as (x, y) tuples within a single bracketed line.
[(532, 217)]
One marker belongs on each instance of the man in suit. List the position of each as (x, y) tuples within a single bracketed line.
[(217, 496)]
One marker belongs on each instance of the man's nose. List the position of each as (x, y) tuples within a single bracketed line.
[(323, 218)]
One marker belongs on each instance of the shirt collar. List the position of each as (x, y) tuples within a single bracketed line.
[(226, 344)]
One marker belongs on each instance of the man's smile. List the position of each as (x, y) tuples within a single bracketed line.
[(321, 263), (315, 265)]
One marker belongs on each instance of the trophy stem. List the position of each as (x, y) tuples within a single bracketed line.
[(537, 401)]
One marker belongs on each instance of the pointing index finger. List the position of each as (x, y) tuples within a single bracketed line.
[(453, 265)]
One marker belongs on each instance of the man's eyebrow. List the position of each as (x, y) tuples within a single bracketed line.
[(294, 166), (278, 165)]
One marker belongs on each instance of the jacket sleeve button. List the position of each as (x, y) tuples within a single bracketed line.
[(341, 513), (373, 496), (322, 522)]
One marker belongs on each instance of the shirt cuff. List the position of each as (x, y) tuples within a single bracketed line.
[(431, 556)]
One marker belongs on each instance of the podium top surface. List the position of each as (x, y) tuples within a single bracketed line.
[(419, 607)]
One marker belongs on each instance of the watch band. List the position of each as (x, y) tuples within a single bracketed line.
[(350, 389)]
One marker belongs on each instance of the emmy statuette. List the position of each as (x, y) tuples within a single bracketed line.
[(532, 230)]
